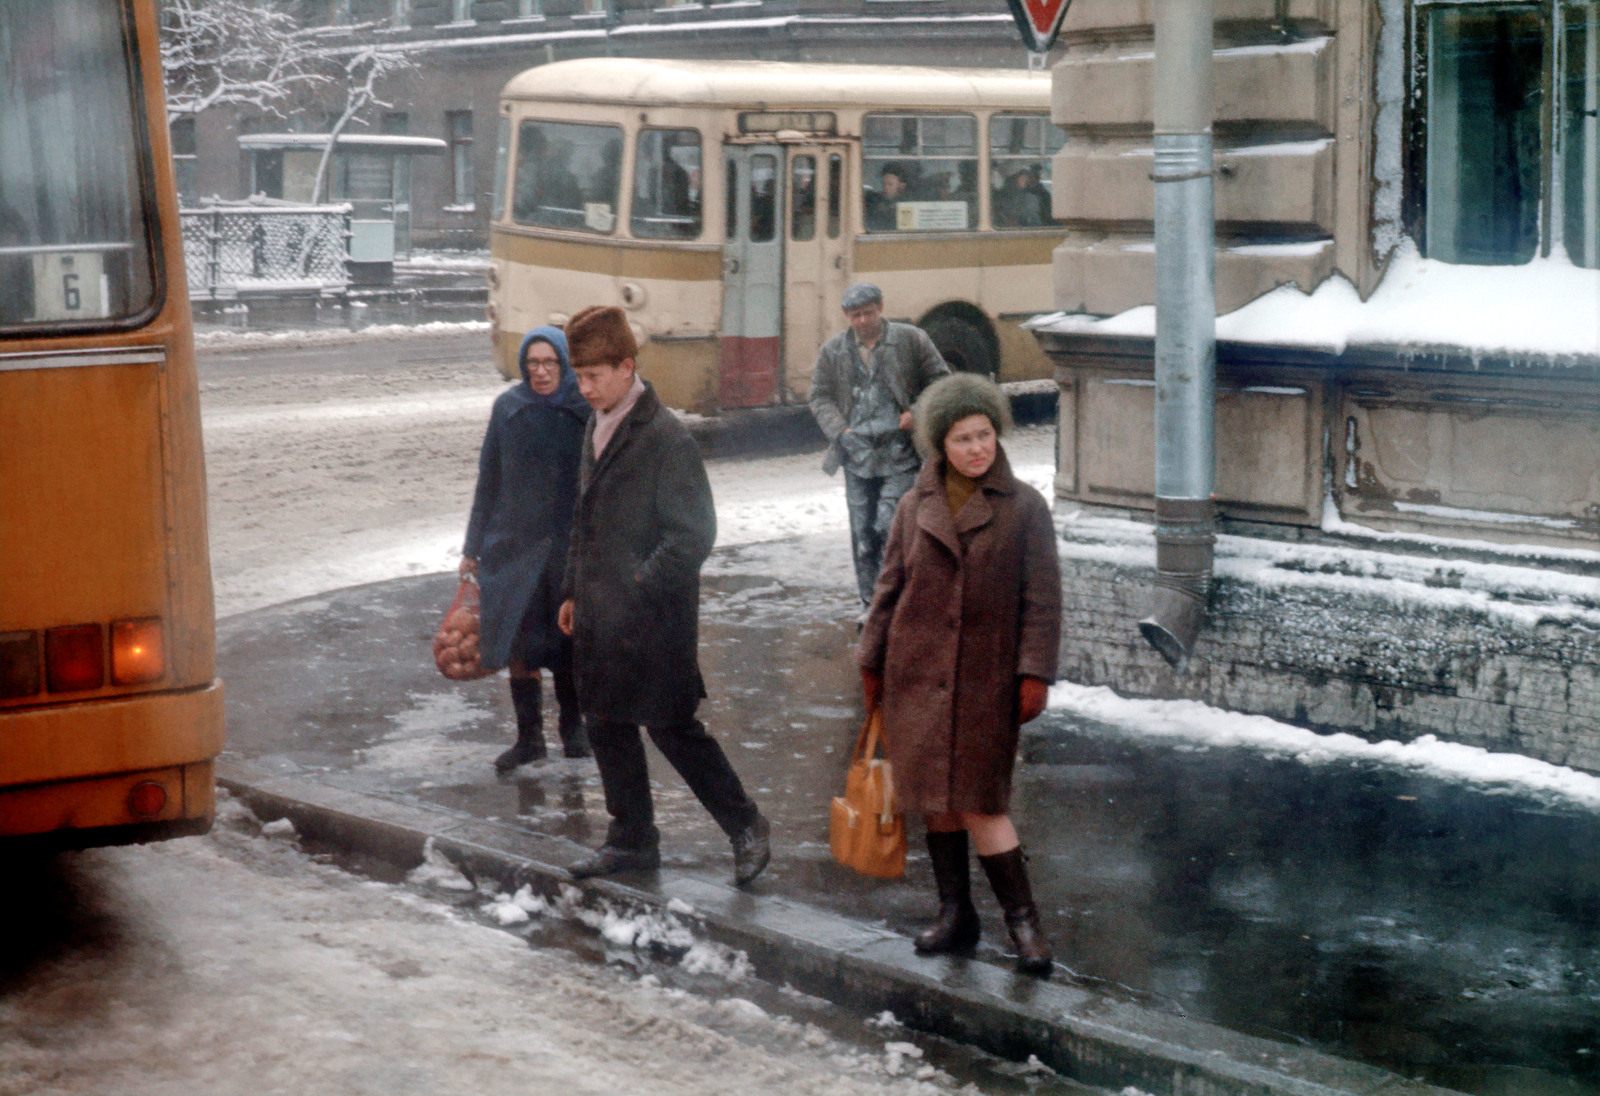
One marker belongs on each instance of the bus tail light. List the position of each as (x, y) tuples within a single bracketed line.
[(19, 664), (147, 798), (138, 652), (75, 658)]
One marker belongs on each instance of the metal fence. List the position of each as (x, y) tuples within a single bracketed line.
[(233, 251)]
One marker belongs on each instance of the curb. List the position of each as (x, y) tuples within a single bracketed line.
[(1091, 1039)]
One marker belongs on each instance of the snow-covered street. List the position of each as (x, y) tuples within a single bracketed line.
[(237, 963)]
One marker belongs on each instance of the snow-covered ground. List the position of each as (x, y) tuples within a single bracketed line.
[(239, 964)]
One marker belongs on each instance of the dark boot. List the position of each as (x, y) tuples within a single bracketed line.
[(574, 739), (1008, 875), (957, 928), (525, 694)]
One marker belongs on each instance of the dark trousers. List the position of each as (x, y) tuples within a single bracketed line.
[(625, 775), (871, 501)]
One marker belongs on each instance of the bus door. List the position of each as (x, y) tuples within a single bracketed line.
[(816, 264), (752, 277)]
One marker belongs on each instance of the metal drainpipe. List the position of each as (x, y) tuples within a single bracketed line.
[(1186, 321)]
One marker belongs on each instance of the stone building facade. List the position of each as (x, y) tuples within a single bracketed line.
[(1408, 364)]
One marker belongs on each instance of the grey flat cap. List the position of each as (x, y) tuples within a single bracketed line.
[(860, 295)]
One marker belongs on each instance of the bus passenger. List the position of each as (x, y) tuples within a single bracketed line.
[(517, 539), (1022, 202), (881, 215), (865, 381), (960, 648), (644, 525)]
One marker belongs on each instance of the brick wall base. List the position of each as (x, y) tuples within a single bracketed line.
[(1502, 655)]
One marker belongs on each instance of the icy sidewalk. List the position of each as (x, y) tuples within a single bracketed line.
[(1435, 926)]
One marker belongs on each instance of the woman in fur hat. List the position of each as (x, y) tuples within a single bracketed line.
[(517, 539), (959, 647)]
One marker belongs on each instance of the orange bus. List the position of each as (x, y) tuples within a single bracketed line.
[(110, 710)]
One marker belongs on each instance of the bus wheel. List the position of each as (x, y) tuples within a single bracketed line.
[(962, 346)]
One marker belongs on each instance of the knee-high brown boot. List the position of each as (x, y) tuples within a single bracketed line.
[(957, 927), (1008, 875)]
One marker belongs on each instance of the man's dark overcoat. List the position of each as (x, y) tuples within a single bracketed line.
[(645, 523), (521, 518), (965, 604)]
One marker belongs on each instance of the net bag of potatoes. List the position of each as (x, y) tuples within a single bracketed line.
[(455, 647)]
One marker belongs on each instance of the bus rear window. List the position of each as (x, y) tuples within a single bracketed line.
[(666, 184), (920, 172), (74, 237), (567, 176)]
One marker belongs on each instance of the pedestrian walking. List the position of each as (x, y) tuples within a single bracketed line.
[(865, 382), (644, 525), (959, 649), (517, 540)]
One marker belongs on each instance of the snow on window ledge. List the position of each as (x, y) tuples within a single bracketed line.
[(1545, 309), (464, 207)]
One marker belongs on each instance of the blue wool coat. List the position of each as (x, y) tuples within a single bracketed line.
[(522, 513)]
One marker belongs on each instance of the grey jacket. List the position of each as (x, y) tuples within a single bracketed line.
[(913, 363)]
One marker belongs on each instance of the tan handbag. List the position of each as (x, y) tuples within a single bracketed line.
[(866, 831)]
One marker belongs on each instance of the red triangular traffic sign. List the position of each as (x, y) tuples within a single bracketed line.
[(1038, 20)]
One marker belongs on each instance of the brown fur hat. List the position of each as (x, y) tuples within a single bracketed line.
[(600, 335)]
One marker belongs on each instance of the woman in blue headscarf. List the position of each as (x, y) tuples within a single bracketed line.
[(517, 539)]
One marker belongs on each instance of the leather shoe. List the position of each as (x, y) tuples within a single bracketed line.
[(752, 849), (610, 859)]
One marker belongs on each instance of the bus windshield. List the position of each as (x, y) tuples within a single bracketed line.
[(74, 248)]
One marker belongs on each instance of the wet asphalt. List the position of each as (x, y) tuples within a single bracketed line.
[(1435, 929)]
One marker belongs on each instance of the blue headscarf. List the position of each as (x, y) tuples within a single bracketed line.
[(567, 390)]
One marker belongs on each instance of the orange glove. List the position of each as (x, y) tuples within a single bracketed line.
[(1032, 693), (872, 688)]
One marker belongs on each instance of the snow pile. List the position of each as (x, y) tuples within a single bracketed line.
[(288, 340), (1547, 308), (516, 909), (436, 870), (1193, 722)]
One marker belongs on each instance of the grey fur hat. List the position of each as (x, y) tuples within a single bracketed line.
[(951, 399)]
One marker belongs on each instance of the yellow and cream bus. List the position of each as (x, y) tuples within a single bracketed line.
[(110, 711), (727, 204)]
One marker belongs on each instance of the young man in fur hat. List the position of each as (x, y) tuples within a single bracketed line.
[(865, 381), (644, 524)]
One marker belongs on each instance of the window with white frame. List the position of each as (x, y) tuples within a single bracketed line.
[(461, 11), (529, 9), (1508, 157), (400, 13)]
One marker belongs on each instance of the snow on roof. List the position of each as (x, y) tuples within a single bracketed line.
[(1545, 309), (378, 142), (772, 84)]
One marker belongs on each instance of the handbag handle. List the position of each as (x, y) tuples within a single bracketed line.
[(867, 740), (866, 749)]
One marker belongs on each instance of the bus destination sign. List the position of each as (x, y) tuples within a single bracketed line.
[(804, 121), (1038, 20)]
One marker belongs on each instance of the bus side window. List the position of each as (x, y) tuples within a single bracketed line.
[(730, 190), (919, 172), (763, 198), (803, 199), (835, 193), (666, 184), (1020, 150), (567, 175)]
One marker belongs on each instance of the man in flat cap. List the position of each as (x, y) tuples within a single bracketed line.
[(865, 381), (644, 524)]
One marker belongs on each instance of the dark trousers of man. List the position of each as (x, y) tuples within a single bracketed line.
[(871, 501), (625, 775)]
